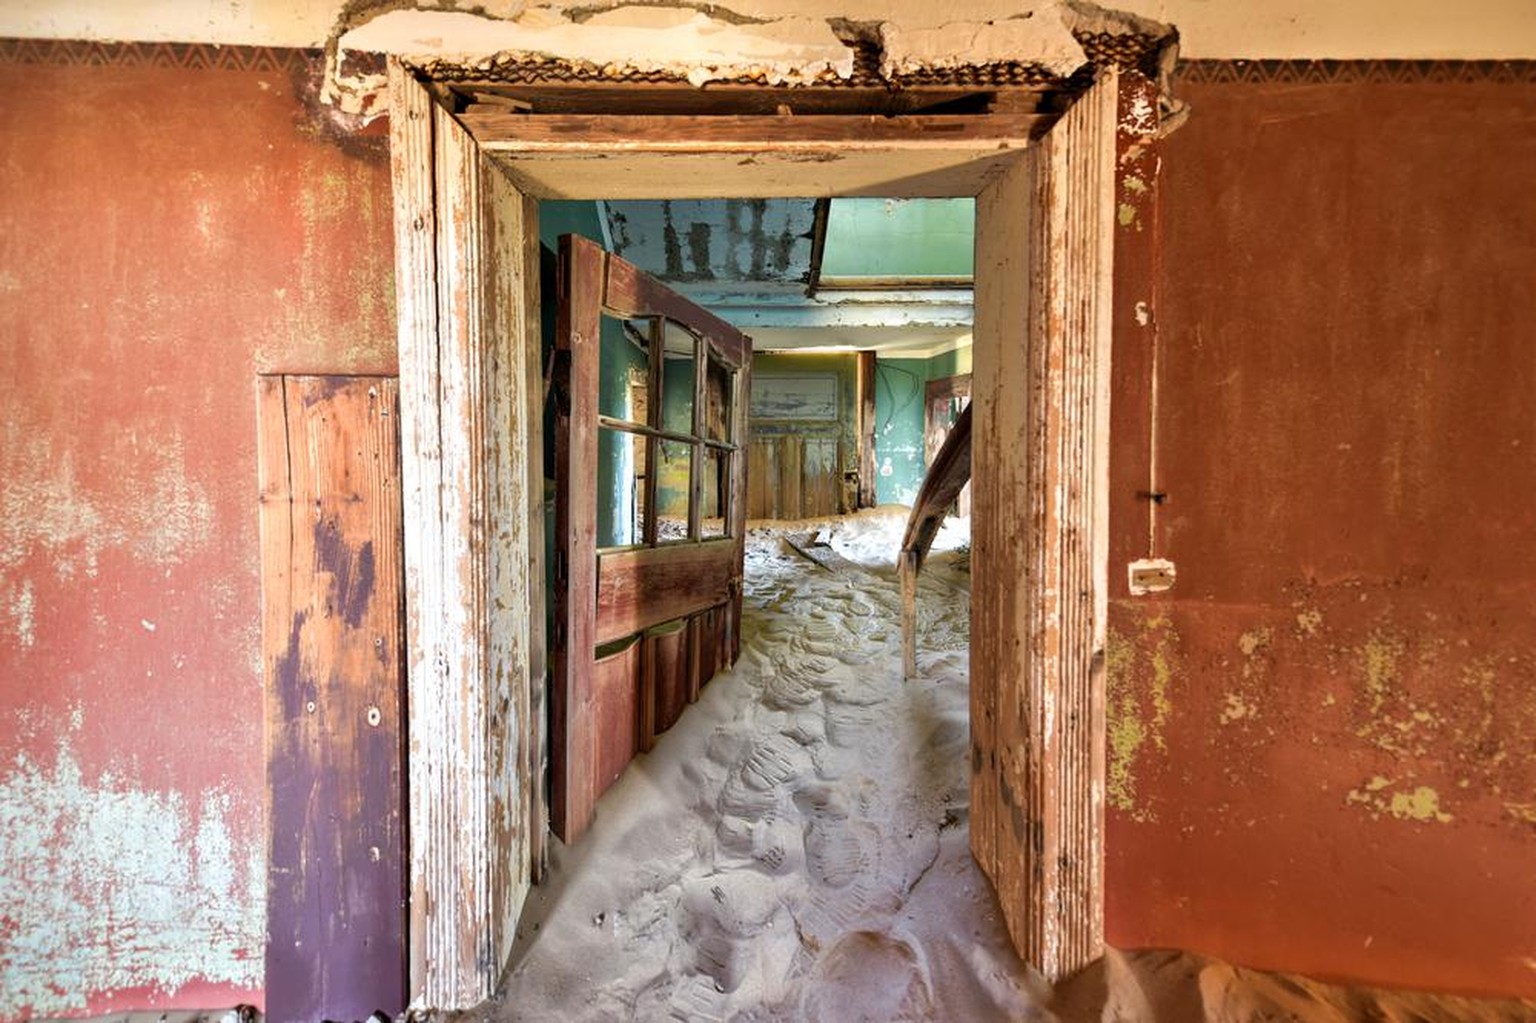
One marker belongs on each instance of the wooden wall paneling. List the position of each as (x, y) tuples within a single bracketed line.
[(1040, 532), (762, 478), (868, 467), (577, 339), (792, 477), (468, 401), (822, 489), (331, 596)]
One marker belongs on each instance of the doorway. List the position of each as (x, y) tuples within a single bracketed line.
[(467, 184)]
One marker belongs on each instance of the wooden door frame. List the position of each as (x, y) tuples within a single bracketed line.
[(467, 243)]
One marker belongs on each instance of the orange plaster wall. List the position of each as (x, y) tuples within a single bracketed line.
[(165, 236), (1323, 740)]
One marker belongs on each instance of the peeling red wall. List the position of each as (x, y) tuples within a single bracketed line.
[(1323, 740), (166, 234)]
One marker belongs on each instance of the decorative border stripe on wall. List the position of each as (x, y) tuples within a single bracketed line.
[(1329, 72), (180, 56)]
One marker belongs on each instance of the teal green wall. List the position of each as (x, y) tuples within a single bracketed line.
[(615, 464), (899, 387), (950, 364), (672, 470), (899, 420)]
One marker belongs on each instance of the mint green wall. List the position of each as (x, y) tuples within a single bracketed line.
[(899, 420), (899, 387), (950, 364), (903, 238)]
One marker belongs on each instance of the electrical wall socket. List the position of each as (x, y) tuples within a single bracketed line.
[(1150, 575)]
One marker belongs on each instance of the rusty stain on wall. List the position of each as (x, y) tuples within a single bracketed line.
[(1343, 428)]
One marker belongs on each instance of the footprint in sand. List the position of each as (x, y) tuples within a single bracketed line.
[(843, 860), (839, 852), (774, 760), (790, 683), (868, 976), (851, 725), (724, 917), (770, 766)]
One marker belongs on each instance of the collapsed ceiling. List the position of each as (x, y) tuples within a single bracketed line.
[(756, 262), (1046, 46)]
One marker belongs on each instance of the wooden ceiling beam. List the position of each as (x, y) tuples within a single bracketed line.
[(731, 98), (503, 130)]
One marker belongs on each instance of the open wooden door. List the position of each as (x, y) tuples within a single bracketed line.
[(650, 513), (1039, 452)]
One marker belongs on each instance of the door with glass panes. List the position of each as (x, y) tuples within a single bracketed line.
[(650, 397)]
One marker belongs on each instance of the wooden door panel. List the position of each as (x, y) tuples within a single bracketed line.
[(603, 711), (1039, 595), (332, 599), (710, 646), (667, 671), (616, 701), (795, 476), (643, 587)]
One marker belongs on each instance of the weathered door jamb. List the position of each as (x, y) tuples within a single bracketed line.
[(467, 256)]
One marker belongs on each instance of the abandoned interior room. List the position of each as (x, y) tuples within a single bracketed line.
[(762, 511)]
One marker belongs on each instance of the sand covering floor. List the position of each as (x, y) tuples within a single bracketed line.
[(796, 848)]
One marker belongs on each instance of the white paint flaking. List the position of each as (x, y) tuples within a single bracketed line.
[(111, 888), (21, 613), (1476, 29), (155, 509), (682, 40), (1040, 37)]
